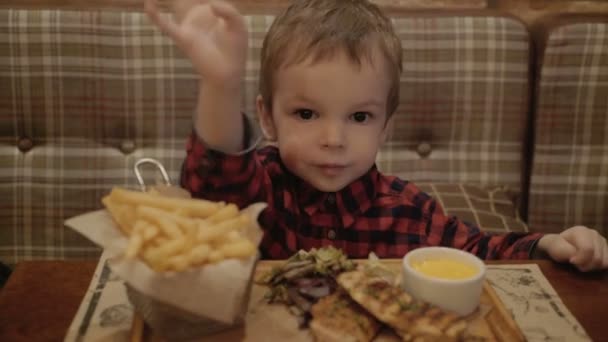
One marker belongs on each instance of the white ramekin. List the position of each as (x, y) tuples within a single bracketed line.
[(460, 296)]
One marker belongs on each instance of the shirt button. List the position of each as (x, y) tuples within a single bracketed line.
[(330, 199), (423, 149), (331, 234)]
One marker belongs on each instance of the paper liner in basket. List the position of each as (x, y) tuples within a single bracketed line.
[(213, 291)]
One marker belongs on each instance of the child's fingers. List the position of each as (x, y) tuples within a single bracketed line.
[(597, 259), (604, 253), (182, 7), (583, 259), (166, 25), (229, 13)]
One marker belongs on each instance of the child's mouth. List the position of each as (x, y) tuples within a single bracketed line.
[(331, 169)]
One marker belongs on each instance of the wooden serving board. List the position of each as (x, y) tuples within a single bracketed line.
[(273, 322)]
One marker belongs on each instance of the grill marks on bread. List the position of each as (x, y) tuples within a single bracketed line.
[(412, 319), (337, 318)]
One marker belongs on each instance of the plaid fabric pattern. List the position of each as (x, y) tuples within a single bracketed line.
[(490, 209), (464, 91), (569, 184), (92, 92), (378, 213)]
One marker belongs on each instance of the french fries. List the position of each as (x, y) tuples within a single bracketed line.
[(174, 234)]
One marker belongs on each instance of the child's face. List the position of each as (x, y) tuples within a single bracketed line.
[(328, 119)]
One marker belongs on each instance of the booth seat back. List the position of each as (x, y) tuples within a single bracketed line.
[(85, 94), (569, 182)]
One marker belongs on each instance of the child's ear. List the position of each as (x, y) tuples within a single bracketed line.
[(265, 117), (387, 130)]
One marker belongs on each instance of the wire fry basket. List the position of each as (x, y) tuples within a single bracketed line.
[(140, 179), (168, 321)]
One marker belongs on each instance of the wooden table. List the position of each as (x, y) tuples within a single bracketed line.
[(40, 299)]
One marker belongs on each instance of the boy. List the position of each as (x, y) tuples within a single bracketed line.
[(329, 83)]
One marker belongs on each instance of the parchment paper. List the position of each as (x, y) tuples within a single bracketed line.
[(526, 293), (213, 291)]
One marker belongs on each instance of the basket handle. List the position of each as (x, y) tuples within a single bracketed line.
[(154, 162)]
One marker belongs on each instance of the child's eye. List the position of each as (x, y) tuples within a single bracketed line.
[(304, 114), (361, 117)]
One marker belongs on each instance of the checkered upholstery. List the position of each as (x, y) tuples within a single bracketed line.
[(490, 208), (465, 93), (85, 94), (569, 183)]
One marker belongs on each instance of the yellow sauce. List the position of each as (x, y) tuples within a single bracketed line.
[(445, 269)]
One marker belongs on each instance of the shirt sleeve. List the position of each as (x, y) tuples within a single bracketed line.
[(236, 178), (449, 231)]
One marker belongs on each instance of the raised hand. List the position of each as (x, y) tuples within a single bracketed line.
[(212, 34)]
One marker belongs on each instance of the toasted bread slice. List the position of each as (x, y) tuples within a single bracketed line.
[(412, 319), (338, 318)]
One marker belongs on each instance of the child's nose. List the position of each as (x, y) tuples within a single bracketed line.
[(333, 135)]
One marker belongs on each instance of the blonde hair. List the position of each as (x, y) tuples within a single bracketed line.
[(321, 28)]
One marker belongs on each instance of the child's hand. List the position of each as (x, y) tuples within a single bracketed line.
[(211, 33), (583, 247)]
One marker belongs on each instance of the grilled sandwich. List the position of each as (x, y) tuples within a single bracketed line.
[(412, 319), (338, 318)]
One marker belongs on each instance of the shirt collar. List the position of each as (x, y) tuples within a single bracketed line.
[(348, 203)]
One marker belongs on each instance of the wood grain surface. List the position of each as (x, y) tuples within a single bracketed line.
[(273, 322), (40, 298)]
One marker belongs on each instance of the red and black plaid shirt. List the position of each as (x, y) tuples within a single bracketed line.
[(378, 213)]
